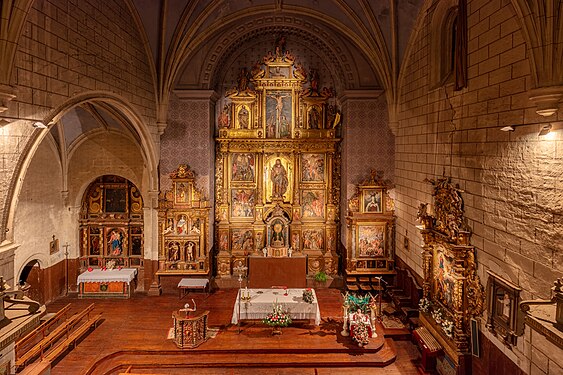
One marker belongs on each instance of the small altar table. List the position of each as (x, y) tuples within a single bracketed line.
[(186, 284), (115, 283), (262, 300)]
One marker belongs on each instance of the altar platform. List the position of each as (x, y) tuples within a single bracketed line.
[(303, 348), (266, 272)]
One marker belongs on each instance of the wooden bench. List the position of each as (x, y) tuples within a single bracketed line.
[(40, 348), (24, 344)]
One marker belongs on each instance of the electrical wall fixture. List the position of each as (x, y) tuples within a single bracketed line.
[(508, 128), (39, 125), (545, 129)]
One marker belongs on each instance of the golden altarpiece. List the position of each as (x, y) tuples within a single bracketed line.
[(183, 219), (277, 167), (111, 224), (371, 228), (452, 292)]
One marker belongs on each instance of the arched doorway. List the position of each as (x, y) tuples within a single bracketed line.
[(32, 275), (111, 224)]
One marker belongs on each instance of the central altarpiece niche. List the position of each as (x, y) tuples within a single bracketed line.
[(277, 167)]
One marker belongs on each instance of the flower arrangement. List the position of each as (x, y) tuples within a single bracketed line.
[(437, 316), (448, 327), (361, 334), (424, 305), (277, 317), (308, 295), (110, 264)]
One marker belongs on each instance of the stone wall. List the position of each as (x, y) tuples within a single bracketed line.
[(68, 48), (511, 180)]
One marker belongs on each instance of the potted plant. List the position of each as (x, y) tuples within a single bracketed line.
[(321, 277)]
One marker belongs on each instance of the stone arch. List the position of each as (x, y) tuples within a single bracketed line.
[(147, 146)]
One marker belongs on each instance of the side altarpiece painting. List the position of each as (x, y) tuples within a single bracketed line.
[(183, 217), (111, 224), (370, 228), (277, 166), (453, 294)]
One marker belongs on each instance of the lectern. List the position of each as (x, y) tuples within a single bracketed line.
[(189, 332)]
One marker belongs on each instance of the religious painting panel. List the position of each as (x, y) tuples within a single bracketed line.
[(242, 240), (95, 242), (181, 192), (116, 241), (243, 167), (443, 280), (278, 178), (54, 246), (136, 238), (115, 200), (371, 201), (371, 240), (312, 167), (502, 310), (313, 203), (242, 203), (279, 113), (313, 239), (181, 225)]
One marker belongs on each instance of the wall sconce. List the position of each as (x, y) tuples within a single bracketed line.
[(545, 130), (38, 124), (508, 128)]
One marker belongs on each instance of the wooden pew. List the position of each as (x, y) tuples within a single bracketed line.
[(24, 344), (39, 349)]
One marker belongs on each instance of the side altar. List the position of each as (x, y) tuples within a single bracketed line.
[(183, 217), (277, 176)]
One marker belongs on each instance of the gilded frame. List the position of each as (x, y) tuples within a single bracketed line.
[(278, 113), (372, 200), (313, 168), (313, 202), (313, 239), (243, 203), (371, 240), (242, 167)]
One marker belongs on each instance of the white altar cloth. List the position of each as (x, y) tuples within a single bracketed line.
[(262, 300), (100, 276)]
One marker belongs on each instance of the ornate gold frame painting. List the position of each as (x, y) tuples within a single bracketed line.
[(313, 203), (312, 167), (242, 203), (243, 167), (443, 282), (278, 178), (370, 240), (372, 201), (279, 113)]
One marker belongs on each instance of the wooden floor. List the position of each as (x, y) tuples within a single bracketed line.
[(134, 332)]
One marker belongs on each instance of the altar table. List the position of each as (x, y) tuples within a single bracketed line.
[(115, 283), (186, 284), (265, 272), (262, 300)]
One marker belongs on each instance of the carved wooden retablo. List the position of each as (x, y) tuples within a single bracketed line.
[(277, 170), (370, 228), (451, 285), (183, 215)]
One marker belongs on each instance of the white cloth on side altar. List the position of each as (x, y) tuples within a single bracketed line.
[(100, 276), (262, 301)]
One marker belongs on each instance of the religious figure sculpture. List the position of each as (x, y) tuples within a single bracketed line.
[(279, 179)]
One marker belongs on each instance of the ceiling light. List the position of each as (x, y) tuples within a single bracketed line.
[(39, 125), (508, 128), (545, 129)]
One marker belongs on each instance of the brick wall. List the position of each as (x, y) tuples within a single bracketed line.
[(511, 181)]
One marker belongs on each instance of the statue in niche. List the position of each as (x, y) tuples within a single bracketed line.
[(243, 80), (243, 118), (314, 118), (279, 179)]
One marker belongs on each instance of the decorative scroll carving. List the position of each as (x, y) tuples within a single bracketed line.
[(453, 293)]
